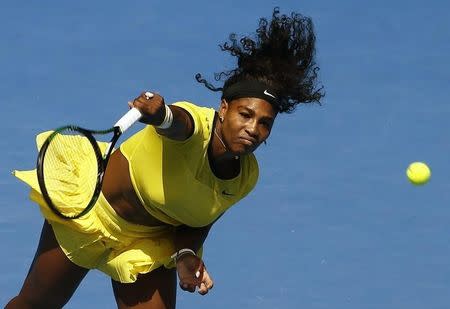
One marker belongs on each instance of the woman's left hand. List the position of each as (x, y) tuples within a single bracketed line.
[(192, 274)]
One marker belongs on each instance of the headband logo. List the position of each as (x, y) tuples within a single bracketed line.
[(250, 89), (269, 94)]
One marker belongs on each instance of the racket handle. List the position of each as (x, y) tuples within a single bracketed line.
[(128, 119)]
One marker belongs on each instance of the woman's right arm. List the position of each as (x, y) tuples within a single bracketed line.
[(153, 111)]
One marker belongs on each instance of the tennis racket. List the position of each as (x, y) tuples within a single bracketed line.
[(71, 165)]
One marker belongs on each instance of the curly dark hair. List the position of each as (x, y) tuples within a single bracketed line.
[(281, 55)]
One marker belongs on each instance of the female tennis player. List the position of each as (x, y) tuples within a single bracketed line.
[(165, 186)]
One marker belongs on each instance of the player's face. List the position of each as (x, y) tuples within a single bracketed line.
[(247, 122)]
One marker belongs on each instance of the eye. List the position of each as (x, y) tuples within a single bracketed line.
[(266, 124), (245, 115)]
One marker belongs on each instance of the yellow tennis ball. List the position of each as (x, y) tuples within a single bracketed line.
[(418, 173)]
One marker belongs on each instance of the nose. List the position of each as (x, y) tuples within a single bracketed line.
[(252, 129)]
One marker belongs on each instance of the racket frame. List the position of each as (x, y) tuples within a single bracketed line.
[(102, 161), (123, 124)]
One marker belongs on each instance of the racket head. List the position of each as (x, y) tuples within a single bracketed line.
[(70, 169)]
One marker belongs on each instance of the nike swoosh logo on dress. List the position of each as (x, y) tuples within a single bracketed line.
[(226, 193)]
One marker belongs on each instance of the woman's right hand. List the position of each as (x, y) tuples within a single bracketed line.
[(152, 108), (192, 274)]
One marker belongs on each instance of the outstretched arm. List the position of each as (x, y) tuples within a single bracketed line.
[(154, 112), (190, 268)]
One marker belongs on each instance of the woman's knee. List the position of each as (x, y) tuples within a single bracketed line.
[(24, 301), (52, 278)]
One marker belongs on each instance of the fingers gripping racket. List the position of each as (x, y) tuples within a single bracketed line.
[(71, 165)]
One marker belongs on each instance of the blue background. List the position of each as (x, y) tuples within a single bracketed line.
[(333, 222)]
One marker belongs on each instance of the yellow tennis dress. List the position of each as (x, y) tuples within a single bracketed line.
[(173, 181)]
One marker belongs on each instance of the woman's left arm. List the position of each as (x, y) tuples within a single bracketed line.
[(190, 268)]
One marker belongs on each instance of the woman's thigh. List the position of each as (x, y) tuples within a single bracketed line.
[(156, 289), (52, 278)]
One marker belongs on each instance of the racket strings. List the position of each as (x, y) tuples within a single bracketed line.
[(70, 171)]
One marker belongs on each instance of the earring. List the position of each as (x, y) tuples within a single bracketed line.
[(221, 118)]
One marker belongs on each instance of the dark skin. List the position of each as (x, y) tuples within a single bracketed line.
[(242, 124)]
